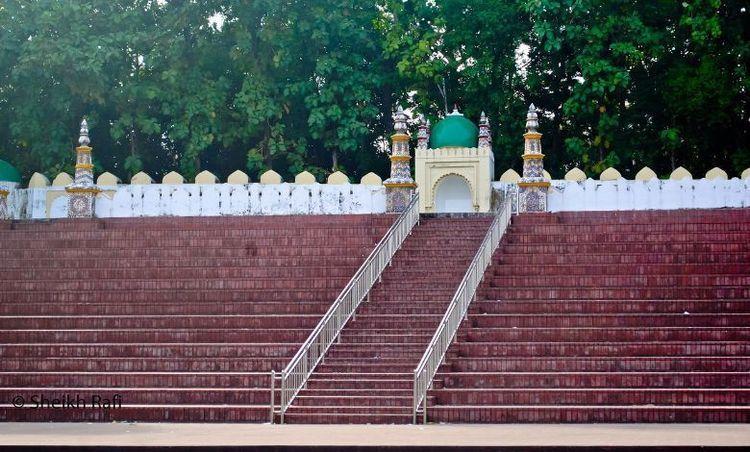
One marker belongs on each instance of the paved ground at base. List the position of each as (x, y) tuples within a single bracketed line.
[(177, 435)]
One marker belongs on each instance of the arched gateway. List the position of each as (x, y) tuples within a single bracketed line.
[(453, 194), (454, 165)]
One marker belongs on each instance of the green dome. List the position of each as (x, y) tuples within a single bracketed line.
[(8, 172), (454, 130)]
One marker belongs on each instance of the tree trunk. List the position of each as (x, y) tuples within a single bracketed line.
[(133, 140)]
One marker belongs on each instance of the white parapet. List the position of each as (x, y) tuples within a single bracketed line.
[(621, 194), (371, 179), (206, 178), (151, 200), (238, 177), (270, 177), (141, 179), (305, 177), (172, 178), (337, 178), (576, 174)]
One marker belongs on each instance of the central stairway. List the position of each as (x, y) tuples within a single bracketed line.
[(367, 376)]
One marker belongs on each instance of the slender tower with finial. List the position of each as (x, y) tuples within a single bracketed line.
[(82, 192), (423, 136), (399, 188), (533, 186), (485, 137), (4, 208)]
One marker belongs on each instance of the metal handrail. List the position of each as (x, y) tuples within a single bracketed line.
[(295, 375), (433, 356)]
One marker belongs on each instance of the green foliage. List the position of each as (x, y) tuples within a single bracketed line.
[(310, 85), (641, 82)]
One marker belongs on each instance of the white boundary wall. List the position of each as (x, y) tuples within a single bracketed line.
[(153, 200), (654, 194)]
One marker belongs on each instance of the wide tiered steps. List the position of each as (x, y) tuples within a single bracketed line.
[(367, 377), (608, 317), (183, 317)]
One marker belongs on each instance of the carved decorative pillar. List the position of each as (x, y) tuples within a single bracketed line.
[(423, 136), (485, 137), (399, 188), (82, 192), (533, 186), (4, 208)]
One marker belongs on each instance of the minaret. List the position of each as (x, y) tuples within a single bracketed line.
[(423, 136), (4, 208), (399, 188), (9, 180), (532, 188), (485, 138), (82, 192)]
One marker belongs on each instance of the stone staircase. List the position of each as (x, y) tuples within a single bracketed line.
[(184, 318), (607, 317), (367, 376), (582, 317)]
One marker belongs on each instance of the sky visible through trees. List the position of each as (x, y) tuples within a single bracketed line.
[(310, 84)]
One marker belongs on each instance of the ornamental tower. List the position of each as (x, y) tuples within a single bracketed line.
[(532, 188), (399, 188), (82, 192), (423, 136), (9, 179), (485, 138), (4, 209)]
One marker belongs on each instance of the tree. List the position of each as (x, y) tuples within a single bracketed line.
[(633, 83), (311, 84)]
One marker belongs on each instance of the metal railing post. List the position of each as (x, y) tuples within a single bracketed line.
[(273, 390)]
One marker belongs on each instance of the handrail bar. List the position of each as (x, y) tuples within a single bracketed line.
[(296, 373), (446, 331)]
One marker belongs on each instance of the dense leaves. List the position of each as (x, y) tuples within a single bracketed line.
[(309, 84), (642, 82)]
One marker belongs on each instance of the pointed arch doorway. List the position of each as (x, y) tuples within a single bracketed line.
[(453, 195)]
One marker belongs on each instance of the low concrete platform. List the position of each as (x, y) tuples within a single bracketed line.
[(329, 437)]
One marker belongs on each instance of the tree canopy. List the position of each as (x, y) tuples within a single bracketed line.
[(298, 85)]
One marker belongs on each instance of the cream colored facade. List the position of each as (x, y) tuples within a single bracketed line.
[(476, 166)]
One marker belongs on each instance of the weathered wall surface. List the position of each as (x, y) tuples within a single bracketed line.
[(211, 200), (621, 194), (624, 194), (301, 199)]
